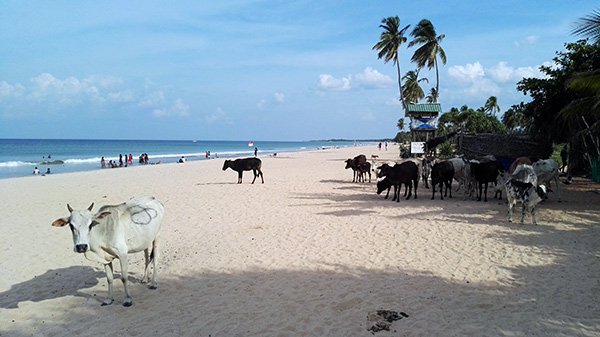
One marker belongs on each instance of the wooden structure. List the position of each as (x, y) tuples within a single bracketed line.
[(505, 148), (423, 120)]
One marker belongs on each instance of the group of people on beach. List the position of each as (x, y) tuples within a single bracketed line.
[(36, 171), (124, 161)]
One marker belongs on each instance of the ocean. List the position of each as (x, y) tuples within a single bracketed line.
[(19, 157)]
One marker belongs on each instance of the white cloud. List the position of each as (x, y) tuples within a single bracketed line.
[(527, 41), (368, 78), (373, 79), (329, 82), (261, 104), (100, 91), (179, 109), (153, 99), (279, 97), (502, 73), (470, 72), (8, 90)]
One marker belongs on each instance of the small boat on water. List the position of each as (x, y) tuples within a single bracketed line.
[(250, 144)]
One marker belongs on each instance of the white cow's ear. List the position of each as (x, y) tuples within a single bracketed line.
[(102, 215), (60, 222)]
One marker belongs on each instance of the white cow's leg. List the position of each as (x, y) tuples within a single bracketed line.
[(124, 273), (145, 278), (155, 255), (108, 268), (533, 215)]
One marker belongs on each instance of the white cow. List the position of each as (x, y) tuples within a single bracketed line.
[(546, 171), (462, 175), (115, 231)]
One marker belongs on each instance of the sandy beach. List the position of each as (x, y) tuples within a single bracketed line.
[(307, 253)]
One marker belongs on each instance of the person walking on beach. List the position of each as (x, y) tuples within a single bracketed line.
[(130, 159), (255, 151), (120, 160), (379, 146), (102, 162)]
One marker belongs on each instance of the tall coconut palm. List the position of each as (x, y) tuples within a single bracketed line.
[(491, 106), (389, 41), (426, 55), (411, 89)]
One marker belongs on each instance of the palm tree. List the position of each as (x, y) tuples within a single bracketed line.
[(432, 97), (491, 105), (426, 55), (589, 26), (411, 88), (400, 124), (389, 41)]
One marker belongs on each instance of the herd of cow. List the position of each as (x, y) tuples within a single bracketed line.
[(115, 231), (525, 182)]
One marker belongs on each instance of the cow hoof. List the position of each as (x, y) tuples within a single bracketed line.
[(107, 302), (153, 286), (128, 302)]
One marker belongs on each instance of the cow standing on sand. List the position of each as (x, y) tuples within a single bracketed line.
[(526, 193), (115, 231), (360, 166), (245, 164)]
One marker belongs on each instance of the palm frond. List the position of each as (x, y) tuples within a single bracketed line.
[(586, 81), (589, 26)]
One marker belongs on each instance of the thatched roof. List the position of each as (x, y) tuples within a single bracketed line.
[(501, 146)]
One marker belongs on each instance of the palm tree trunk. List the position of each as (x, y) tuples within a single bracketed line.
[(437, 80), (400, 83)]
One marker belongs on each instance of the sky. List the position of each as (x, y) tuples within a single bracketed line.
[(255, 70)]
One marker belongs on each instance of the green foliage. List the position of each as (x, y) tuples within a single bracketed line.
[(446, 149), (402, 137), (476, 121), (514, 119), (411, 88), (550, 95)]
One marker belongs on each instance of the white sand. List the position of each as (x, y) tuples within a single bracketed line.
[(309, 253)]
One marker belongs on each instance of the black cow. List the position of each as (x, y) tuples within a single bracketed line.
[(360, 166), (406, 173), (485, 173), (442, 174), (245, 164)]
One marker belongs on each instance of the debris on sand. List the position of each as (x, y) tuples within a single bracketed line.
[(382, 320)]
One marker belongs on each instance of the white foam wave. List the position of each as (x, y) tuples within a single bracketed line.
[(83, 160), (16, 163)]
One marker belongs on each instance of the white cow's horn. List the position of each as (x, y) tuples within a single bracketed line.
[(90, 208), (70, 208)]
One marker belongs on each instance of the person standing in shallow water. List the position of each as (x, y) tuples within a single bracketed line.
[(255, 151)]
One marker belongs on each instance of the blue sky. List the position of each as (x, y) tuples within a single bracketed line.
[(262, 70)]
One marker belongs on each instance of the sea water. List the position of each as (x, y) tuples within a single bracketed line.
[(19, 157)]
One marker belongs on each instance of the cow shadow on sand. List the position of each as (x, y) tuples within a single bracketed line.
[(52, 284)]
